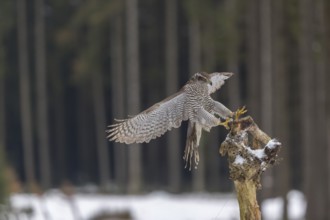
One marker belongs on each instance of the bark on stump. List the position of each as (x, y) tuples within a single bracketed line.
[(250, 152)]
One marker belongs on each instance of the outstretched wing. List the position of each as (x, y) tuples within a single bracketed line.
[(218, 79), (151, 123)]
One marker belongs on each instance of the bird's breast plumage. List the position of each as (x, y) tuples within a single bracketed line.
[(197, 97)]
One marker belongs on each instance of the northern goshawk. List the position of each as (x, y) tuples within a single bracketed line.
[(193, 103)]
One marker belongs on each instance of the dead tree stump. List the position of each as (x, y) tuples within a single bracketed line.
[(250, 152)]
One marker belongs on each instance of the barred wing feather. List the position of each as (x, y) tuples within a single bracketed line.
[(151, 123)]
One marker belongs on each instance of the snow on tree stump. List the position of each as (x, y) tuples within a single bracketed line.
[(250, 152)]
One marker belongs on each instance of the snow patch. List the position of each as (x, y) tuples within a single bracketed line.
[(296, 204), (157, 205), (239, 160), (259, 153), (272, 143), (273, 208)]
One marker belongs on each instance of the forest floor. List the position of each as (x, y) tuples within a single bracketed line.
[(153, 206)]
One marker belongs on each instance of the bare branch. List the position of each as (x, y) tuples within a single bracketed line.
[(250, 152)]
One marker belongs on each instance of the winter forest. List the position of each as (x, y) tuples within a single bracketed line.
[(69, 68)]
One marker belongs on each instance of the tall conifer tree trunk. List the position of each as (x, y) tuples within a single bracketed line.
[(327, 91), (99, 117), (99, 110), (253, 59), (2, 111), (118, 96), (173, 137), (318, 205), (61, 132), (232, 51), (133, 90), (2, 95), (84, 139), (306, 97), (281, 108), (266, 79), (3, 67), (42, 94), (25, 94), (266, 64)]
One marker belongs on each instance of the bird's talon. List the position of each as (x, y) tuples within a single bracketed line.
[(226, 123), (239, 112)]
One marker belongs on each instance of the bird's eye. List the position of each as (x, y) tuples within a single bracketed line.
[(201, 78)]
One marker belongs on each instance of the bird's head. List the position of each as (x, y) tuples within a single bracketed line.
[(226, 75), (202, 77), (223, 75)]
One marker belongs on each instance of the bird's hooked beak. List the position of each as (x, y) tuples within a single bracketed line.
[(209, 81), (227, 75)]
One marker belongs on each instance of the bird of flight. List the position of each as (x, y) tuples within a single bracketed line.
[(191, 103)]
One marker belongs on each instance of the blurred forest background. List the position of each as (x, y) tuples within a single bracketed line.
[(68, 68)]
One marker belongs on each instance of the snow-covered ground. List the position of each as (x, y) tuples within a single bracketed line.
[(153, 206)]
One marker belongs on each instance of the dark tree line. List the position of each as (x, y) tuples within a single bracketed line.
[(68, 68)]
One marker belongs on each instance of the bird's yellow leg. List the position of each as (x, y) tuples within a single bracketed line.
[(225, 123), (236, 116), (240, 112)]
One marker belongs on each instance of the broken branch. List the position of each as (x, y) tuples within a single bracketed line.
[(250, 152)]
